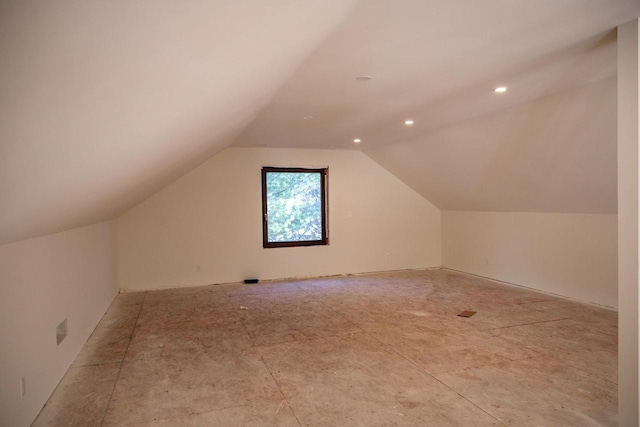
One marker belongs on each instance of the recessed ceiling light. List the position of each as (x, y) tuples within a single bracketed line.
[(408, 122), (500, 89), (363, 78), (308, 117), (357, 140)]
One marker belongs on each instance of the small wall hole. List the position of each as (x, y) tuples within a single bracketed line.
[(61, 331)]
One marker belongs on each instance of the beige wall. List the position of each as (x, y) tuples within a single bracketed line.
[(628, 141), (43, 281), (206, 227), (573, 255)]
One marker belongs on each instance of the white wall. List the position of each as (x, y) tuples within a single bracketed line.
[(573, 255), (206, 227), (43, 281)]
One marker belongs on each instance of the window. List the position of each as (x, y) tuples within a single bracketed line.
[(294, 207)]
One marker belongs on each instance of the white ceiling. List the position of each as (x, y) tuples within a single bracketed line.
[(555, 154), (436, 62), (104, 103)]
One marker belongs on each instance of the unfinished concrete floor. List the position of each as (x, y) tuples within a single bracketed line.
[(381, 349)]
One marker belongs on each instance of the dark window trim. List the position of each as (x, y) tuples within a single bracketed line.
[(323, 205)]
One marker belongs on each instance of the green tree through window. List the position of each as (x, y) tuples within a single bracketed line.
[(293, 207)]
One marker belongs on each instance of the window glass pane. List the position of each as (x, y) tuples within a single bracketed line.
[(294, 206)]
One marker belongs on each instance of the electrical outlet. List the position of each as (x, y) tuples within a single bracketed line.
[(23, 386)]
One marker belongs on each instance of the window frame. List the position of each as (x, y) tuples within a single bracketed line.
[(324, 172)]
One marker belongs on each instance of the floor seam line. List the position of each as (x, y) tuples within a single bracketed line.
[(135, 325), (257, 347), (527, 324), (424, 371), (465, 398), (284, 396)]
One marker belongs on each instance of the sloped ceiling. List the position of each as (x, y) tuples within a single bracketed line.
[(554, 154), (104, 103), (437, 63)]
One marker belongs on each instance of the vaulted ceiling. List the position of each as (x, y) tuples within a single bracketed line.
[(104, 103)]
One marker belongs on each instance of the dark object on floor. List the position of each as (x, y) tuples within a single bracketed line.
[(247, 281), (466, 313)]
